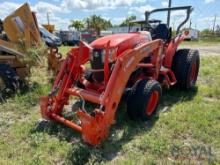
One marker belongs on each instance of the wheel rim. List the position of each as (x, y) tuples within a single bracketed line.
[(2, 84), (193, 74), (152, 102)]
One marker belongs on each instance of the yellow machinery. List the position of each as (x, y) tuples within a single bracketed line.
[(49, 27), (19, 33)]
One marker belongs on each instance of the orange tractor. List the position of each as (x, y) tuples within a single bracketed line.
[(137, 64)]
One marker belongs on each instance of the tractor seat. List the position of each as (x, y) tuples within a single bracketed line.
[(161, 31)]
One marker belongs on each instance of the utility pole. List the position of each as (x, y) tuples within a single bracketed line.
[(214, 24), (190, 24), (48, 18), (168, 15)]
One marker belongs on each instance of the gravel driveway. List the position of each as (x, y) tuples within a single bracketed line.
[(205, 50)]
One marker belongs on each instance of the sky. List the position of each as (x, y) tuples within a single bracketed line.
[(62, 11)]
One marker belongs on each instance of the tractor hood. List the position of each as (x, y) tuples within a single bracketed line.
[(130, 39)]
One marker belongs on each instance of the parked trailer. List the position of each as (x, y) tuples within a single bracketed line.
[(70, 37), (193, 34)]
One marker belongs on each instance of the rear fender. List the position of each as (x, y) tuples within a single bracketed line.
[(171, 50)]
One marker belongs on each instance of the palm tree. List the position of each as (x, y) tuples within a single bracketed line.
[(98, 23), (87, 22), (127, 21), (108, 24), (77, 24)]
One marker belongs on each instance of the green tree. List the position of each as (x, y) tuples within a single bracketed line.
[(98, 23), (218, 30), (77, 24), (87, 22), (206, 33), (127, 21)]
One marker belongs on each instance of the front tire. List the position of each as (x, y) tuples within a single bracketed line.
[(143, 100)]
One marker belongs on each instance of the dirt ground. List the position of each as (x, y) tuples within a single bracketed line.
[(205, 50)]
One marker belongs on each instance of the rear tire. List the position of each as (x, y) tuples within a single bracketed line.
[(143, 99), (186, 68)]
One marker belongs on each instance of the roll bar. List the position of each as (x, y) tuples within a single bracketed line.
[(188, 9)]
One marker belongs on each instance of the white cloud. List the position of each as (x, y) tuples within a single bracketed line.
[(97, 4), (44, 7), (209, 19), (59, 22), (58, 9), (142, 9), (118, 20), (7, 7), (207, 22), (209, 1), (41, 9), (179, 13), (130, 12), (164, 3)]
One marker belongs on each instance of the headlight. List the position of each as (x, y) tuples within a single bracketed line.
[(101, 53), (112, 53)]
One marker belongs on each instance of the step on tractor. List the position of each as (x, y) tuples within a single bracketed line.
[(136, 64)]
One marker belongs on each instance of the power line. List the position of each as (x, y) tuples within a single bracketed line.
[(190, 23)]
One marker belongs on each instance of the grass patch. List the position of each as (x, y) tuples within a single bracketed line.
[(191, 119), (64, 49)]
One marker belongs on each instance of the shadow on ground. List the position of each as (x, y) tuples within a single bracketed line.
[(82, 153), (172, 96)]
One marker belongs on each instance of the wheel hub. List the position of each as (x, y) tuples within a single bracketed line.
[(152, 102), (193, 74)]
